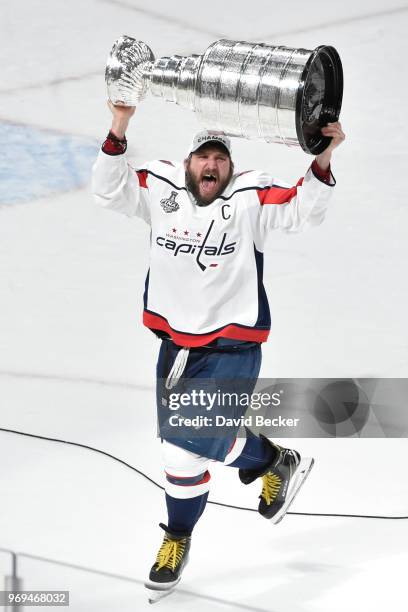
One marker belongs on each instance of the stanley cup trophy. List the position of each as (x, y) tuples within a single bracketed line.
[(255, 91)]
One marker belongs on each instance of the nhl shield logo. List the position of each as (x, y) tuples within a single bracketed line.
[(169, 204)]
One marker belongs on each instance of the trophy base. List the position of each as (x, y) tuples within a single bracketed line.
[(319, 98)]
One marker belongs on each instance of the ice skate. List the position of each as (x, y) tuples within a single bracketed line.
[(281, 481), (169, 565)]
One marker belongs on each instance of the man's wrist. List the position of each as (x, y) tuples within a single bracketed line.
[(119, 127), (323, 175), (324, 159)]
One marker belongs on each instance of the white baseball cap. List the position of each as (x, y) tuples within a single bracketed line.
[(201, 138)]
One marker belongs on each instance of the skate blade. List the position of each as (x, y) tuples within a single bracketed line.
[(156, 593), (299, 477), (156, 596)]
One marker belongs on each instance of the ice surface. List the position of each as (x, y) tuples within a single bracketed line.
[(76, 363)]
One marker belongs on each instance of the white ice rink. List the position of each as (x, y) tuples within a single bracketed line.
[(76, 362)]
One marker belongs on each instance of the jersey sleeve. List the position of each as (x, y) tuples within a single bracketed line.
[(291, 208), (119, 187)]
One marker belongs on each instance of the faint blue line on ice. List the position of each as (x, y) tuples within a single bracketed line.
[(75, 380)]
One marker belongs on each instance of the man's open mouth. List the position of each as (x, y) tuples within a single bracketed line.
[(209, 182)]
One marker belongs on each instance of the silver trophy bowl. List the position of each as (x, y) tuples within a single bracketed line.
[(256, 91)]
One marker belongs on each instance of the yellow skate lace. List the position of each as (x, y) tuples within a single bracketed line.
[(270, 487), (170, 553)]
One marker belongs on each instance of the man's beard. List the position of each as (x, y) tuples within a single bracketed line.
[(193, 186)]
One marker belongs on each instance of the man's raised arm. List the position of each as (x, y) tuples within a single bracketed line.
[(305, 204), (115, 185)]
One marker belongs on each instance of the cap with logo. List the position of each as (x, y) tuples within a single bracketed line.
[(205, 136)]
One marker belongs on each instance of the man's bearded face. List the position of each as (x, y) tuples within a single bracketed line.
[(208, 172)]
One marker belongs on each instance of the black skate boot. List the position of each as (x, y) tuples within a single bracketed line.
[(170, 562), (281, 480)]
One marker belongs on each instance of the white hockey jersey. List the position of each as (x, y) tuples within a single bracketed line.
[(206, 262)]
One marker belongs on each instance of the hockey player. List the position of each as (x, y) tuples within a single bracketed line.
[(205, 299)]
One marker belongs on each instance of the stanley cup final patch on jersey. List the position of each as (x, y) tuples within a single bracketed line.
[(170, 205)]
